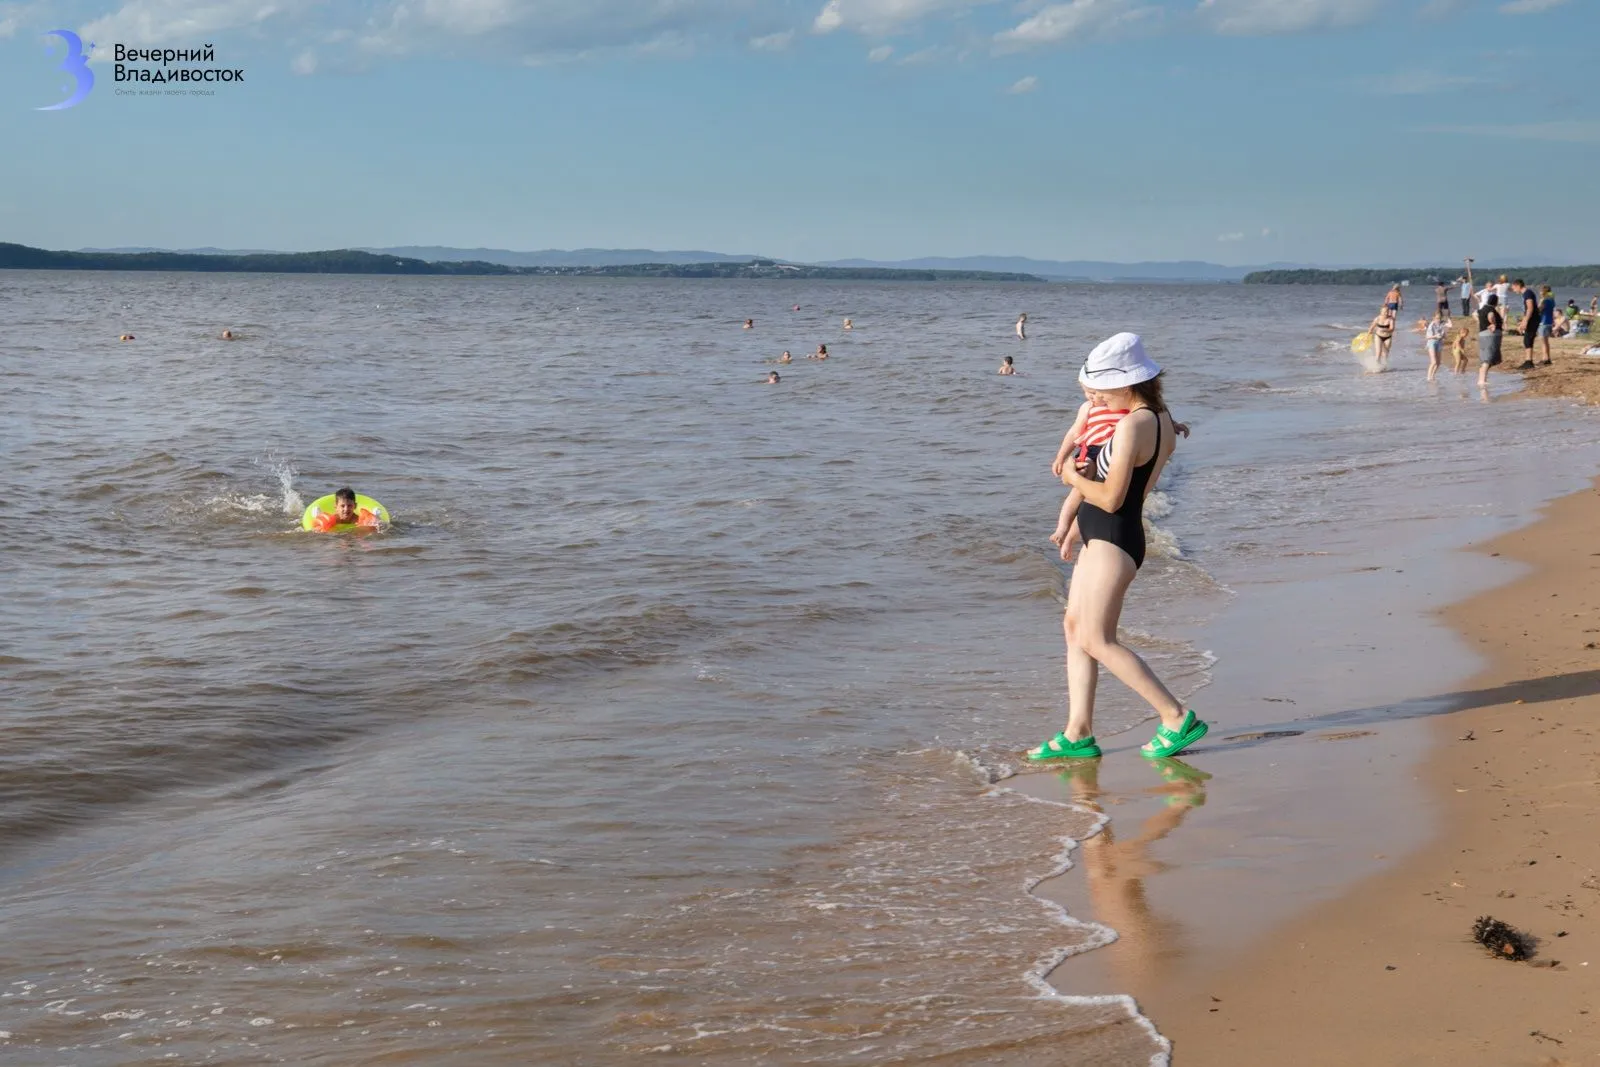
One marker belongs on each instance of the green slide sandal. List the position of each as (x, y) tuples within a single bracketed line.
[(1058, 747), (1171, 742)]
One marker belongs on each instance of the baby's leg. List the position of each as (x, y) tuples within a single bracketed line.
[(1063, 522), (1070, 542)]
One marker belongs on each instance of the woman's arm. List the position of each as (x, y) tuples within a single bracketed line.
[(1133, 432)]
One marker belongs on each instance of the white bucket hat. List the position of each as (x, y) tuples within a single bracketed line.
[(1117, 363)]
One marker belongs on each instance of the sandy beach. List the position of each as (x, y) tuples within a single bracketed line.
[(1388, 973)]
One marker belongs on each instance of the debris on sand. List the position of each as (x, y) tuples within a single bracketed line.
[(1506, 942)]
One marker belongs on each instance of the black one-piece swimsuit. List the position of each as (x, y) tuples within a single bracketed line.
[(1125, 526)]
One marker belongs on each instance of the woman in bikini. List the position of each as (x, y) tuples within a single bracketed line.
[(1382, 331), (1111, 522)]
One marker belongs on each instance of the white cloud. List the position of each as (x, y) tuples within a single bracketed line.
[(185, 24), (1024, 85), (884, 16), (11, 18), (1075, 18), (1569, 131), (1266, 231), (773, 42), (925, 55), (1419, 83), (479, 29), (304, 63), (1228, 238), (1251, 18), (1529, 7), (880, 53)]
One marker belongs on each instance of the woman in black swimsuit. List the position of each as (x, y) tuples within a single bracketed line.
[(1111, 521)]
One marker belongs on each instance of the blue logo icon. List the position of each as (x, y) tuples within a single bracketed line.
[(77, 65)]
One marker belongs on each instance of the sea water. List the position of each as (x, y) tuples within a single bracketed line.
[(673, 718)]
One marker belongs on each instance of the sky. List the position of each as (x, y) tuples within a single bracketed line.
[(1234, 131)]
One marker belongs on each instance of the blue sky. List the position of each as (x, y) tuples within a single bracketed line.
[(1236, 131)]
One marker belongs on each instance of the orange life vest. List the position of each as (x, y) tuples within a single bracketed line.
[(324, 522)]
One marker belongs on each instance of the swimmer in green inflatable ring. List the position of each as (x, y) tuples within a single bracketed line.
[(348, 511)]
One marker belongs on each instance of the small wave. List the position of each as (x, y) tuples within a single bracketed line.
[(1160, 542)]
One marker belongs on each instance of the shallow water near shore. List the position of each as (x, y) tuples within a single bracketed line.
[(667, 718)]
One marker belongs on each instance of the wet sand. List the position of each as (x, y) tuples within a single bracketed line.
[(1388, 973)]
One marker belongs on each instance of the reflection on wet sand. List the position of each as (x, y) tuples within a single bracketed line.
[(1115, 870)]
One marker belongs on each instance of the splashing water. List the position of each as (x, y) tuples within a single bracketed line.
[(293, 506)]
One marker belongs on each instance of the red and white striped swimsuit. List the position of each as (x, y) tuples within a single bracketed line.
[(1098, 429)]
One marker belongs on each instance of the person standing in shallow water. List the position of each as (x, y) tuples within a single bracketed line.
[(1111, 523), (1022, 326)]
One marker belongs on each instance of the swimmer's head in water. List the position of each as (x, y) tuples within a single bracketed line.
[(344, 504), (1008, 361), (772, 378)]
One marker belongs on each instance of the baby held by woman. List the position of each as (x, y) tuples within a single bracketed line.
[(1085, 444)]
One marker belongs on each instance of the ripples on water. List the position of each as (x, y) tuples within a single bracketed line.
[(652, 725)]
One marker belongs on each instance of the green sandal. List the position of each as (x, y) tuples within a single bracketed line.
[(1171, 742), (1058, 747)]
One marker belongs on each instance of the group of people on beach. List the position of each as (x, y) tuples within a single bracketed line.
[(1485, 310)]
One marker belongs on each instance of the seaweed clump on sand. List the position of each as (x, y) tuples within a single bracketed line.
[(1506, 942)]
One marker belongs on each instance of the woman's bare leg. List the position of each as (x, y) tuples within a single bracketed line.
[(1083, 673), (1099, 583)]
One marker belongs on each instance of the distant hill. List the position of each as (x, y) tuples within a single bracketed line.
[(1580, 277), (356, 261), (1071, 270), (554, 257)]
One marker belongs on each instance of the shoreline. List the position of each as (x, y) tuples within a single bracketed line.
[(1387, 973)]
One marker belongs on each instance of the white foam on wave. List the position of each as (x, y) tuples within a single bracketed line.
[(1098, 935)]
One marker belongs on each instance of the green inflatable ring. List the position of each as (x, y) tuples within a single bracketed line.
[(325, 506)]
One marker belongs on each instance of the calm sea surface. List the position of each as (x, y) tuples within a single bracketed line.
[(666, 720)]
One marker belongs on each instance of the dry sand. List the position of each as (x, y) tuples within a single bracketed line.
[(1388, 974)]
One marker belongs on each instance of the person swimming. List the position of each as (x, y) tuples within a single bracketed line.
[(345, 513), (786, 357), (227, 335), (749, 324), (1007, 367), (126, 337), (820, 353), (848, 324), (773, 378)]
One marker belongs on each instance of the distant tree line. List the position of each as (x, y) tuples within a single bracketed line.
[(1556, 277), (21, 257)]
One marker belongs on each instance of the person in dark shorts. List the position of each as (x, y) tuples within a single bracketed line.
[(1442, 297), (1530, 321), (1491, 327)]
